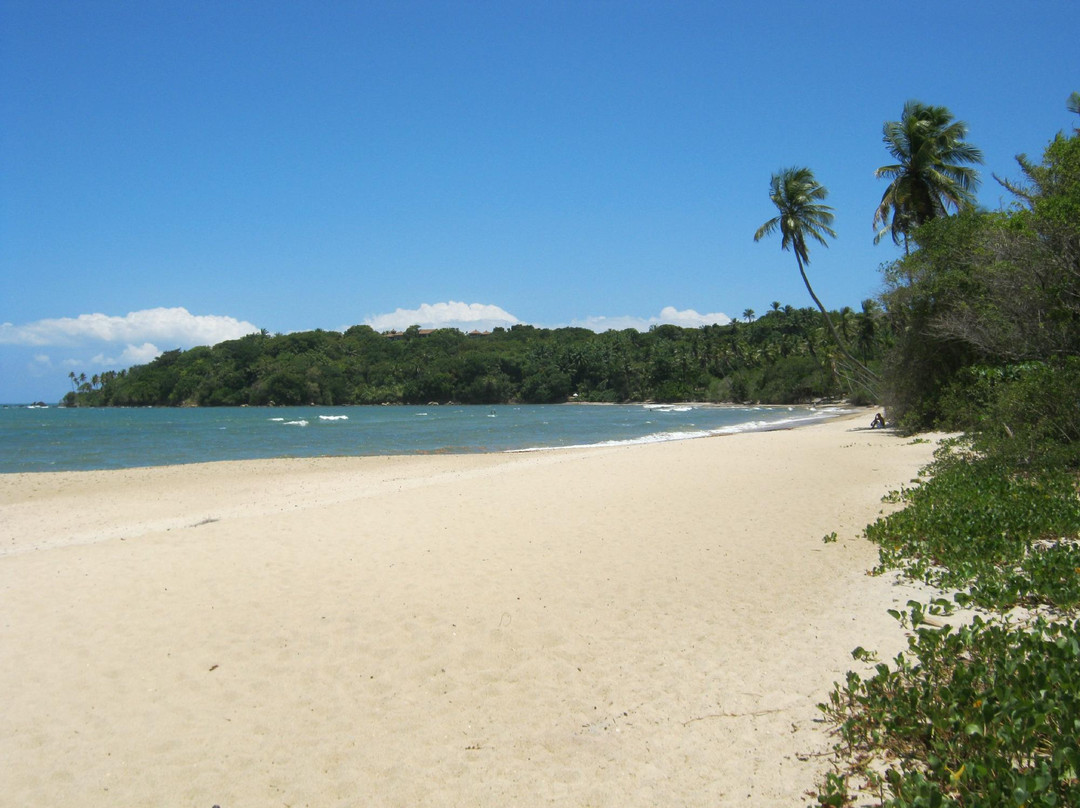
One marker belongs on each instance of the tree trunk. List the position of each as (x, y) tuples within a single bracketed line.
[(871, 376)]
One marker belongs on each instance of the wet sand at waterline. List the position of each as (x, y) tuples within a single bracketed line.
[(627, 626)]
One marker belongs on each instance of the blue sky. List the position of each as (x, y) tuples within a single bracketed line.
[(177, 173)]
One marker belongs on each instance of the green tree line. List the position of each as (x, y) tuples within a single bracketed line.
[(784, 356)]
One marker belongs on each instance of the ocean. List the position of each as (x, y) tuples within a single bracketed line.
[(34, 439)]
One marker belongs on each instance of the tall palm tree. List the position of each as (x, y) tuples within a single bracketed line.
[(801, 214), (932, 173), (871, 311), (847, 316)]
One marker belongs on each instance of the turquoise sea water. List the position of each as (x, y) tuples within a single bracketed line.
[(58, 439)]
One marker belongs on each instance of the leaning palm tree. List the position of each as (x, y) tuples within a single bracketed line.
[(932, 172), (801, 214)]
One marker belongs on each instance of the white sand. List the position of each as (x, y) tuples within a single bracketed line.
[(632, 626)]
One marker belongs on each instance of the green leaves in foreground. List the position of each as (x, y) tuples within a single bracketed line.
[(988, 715), (1010, 538)]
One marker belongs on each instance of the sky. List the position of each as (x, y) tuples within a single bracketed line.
[(180, 172)]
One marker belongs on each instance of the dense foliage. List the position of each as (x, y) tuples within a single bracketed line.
[(987, 715), (986, 318), (784, 356), (977, 525), (985, 293)]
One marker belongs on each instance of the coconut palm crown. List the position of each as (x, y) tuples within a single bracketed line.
[(932, 173), (801, 213)]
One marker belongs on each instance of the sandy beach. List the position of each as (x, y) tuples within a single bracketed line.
[(628, 626)]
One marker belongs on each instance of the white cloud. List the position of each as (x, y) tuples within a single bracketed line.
[(136, 355), (131, 355), (175, 327), (466, 316), (669, 315)]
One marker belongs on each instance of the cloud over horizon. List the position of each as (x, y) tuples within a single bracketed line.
[(669, 315), (175, 327), (469, 316), (98, 341), (452, 314)]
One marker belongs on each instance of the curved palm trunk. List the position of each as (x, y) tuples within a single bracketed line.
[(870, 375)]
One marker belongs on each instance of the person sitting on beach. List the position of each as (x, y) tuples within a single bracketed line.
[(877, 422)]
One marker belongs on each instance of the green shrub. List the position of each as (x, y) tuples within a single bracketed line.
[(1034, 416), (987, 715), (1009, 537)]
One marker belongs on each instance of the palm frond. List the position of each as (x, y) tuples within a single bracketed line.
[(767, 229)]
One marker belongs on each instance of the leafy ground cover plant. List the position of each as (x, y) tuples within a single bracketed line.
[(1010, 538), (987, 714)]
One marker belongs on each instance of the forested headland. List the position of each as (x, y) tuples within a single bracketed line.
[(784, 356)]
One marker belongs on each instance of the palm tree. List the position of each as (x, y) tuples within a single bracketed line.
[(932, 172), (748, 315), (802, 213), (871, 311), (847, 315)]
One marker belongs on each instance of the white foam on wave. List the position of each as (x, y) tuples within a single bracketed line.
[(668, 407), (301, 422), (655, 437), (276, 419), (812, 416), (333, 418)]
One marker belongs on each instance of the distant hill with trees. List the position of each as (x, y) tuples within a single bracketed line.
[(784, 356)]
